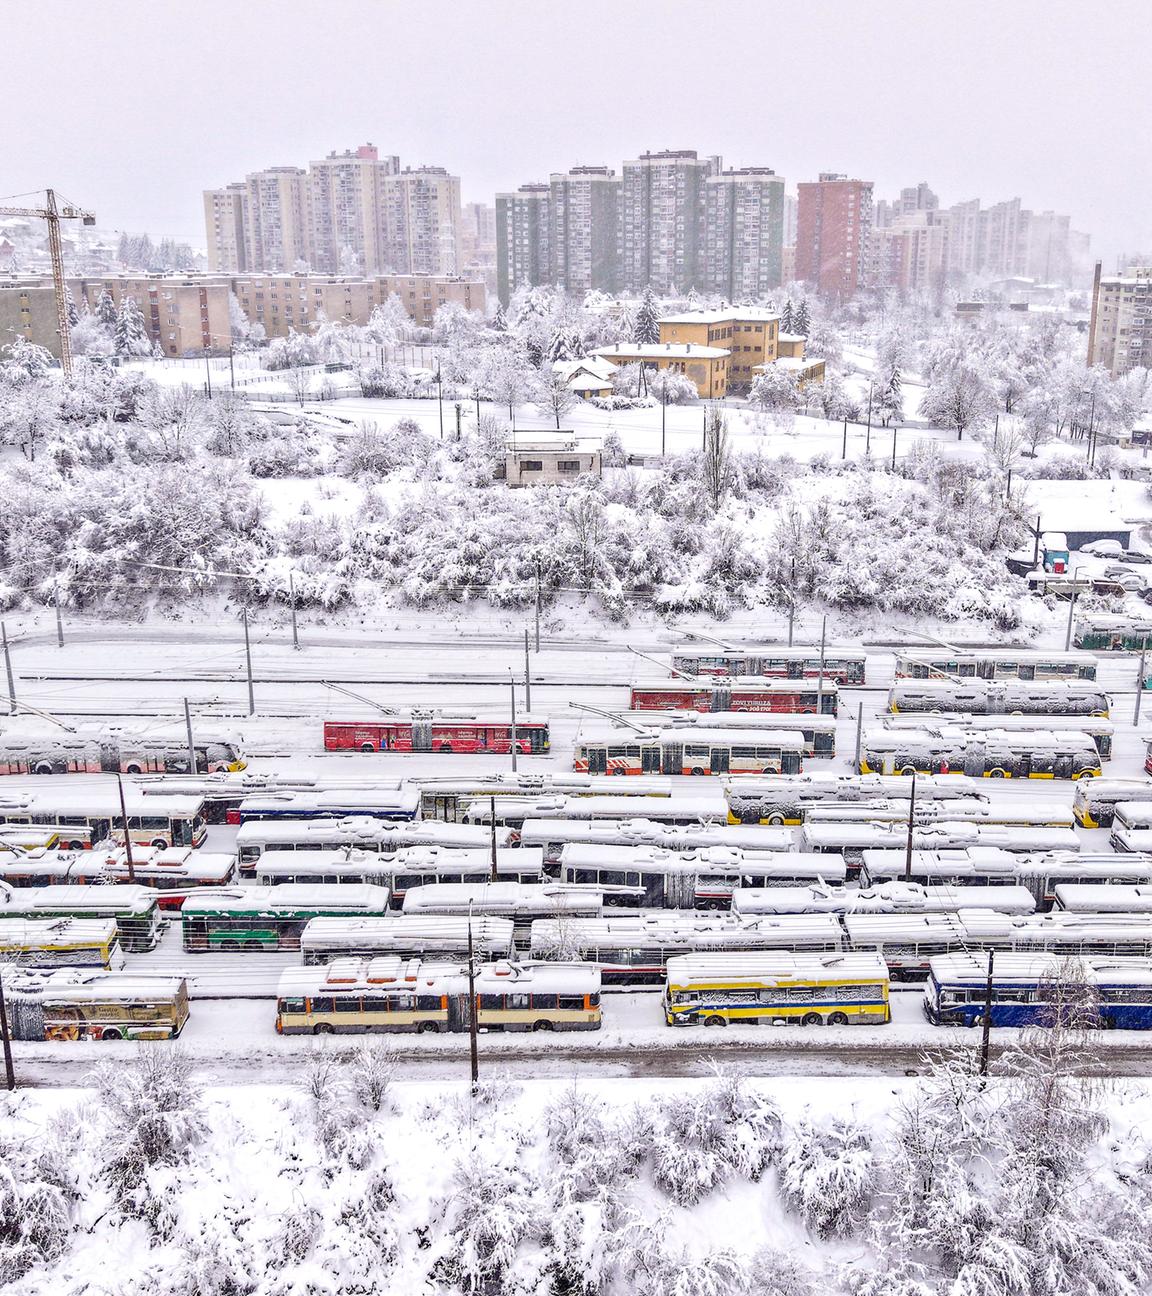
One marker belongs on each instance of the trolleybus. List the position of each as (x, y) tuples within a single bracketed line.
[(30, 746), (991, 753), (996, 664), (60, 942), (447, 798), (333, 803), (1106, 632), (995, 698), (552, 835), (464, 736), (134, 909), (263, 919), (837, 662), (408, 936), (818, 731), (888, 897), (260, 836), (1094, 801), (85, 811), (172, 873), (698, 751), (785, 799), (747, 694), (703, 804)]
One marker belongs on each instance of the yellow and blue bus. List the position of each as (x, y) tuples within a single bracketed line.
[(60, 942), (776, 987)]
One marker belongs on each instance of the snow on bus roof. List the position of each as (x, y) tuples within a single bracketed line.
[(395, 974), (99, 798), (1057, 926), (684, 926), (888, 897), (487, 897), (970, 967), (706, 859), (693, 720), (1107, 897), (849, 786), (621, 737), (361, 828), (709, 803), (648, 832), (126, 897), (413, 859), (287, 897), (765, 648), (773, 967), (743, 683), (405, 930), (56, 933), (348, 800)]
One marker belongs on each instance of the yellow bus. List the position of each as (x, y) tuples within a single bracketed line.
[(61, 942), (776, 987), (114, 1006), (354, 996)]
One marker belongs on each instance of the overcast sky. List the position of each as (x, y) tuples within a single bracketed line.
[(153, 102)]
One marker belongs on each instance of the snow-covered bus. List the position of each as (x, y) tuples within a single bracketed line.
[(999, 698), (173, 873), (805, 989), (1025, 991), (887, 897), (466, 735), (447, 798), (552, 835), (400, 872), (1095, 800), (852, 840), (990, 753), (1016, 812), (418, 996), (1101, 731), (818, 731), (408, 936), (698, 751), (30, 745), (259, 836), (522, 902), (1107, 897), (263, 919), (703, 804), (76, 1004), (785, 799), (753, 694), (635, 951), (1109, 632), (840, 663), (707, 878), (60, 942), (85, 811), (333, 803), (995, 664), (134, 909)]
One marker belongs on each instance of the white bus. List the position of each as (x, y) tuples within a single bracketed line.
[(888, 897), (522, 902), (1004, 813), (445, 798), (333, 803), (697, 806), (552, 835), (1094, 800), (1107, 897), (838, 662), (645, 877), (818, 731), (407, 936), (987, 753), (786, 799), (690, 751), (996, 698), (261, 835), (995, 664), (634, 951), (85, 811), (804, 989), (853, 840), (31, 745)]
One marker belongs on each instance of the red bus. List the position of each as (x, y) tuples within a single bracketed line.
[(795, 697), (465, 736)]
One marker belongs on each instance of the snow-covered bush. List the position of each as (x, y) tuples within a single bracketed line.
[(292, 453), (827, 1173)]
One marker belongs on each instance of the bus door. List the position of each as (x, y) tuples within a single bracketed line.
[(673, 762), (597, 760), (460, 1009), (1026, 671), (650, 758), (722, 697), (790, 762), (1062, 766), (110, 758), (974, 762), (421, 735), (721, 761)]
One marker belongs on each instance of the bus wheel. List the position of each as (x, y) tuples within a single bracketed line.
[(323, 1028), (697, 770), (75, 845), (367, 747), (1086, 774), (715, 1021), (110, 1033), (133, 769), (253, 945), (543, 1026), (837, 1019), (908, 769), (159, 843), (230, 945), (811, 1019), (997, 773), (42, 767), (776, 820), (427, 1028)]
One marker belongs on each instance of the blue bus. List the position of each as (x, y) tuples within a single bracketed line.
[(1022, 986)]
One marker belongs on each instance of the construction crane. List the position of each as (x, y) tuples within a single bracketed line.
[(54, 214)]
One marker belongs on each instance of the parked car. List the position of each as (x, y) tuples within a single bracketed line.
[(1103, 548), (1135, 556)]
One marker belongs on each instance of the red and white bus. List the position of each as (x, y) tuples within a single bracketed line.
[(844, 665), (692, 750), (468, 735), (796, 697)]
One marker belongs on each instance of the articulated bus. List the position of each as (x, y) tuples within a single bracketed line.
[(134, 909), (703, 804), (852, 840), (1113, 633), (1048, 812), (467, 735), (995, 664), (60, 942), (643, 877), (408, 936), (695, 751), (260, 836), (786, 799), (552, 835), (1095, 800), (990, 753), (1108, 897), (400, 872), (86, 811), (75, 1004), (521, 902), (888, 897), (752, 694), (1100, 731), (781, 989), (1024, 991), (818, 731), (401, 803), (171, 873), (842, 664), (263, 919), (450, 798), (30, 746), (996, 698), (635, 951), (354, 996)]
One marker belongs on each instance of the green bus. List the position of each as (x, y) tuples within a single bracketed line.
[(1113, 633), (271, 917)]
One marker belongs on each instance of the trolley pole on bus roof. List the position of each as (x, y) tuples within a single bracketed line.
[(192, 768), (859, 728), (492, 822), (911, 818), (1140, 683), (473, 1024), (248, 664), (527, 677), (986, 1040), (9, 1070), (8, 669), (512, 744), (127, 835)]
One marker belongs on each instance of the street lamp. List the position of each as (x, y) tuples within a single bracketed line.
[(1071, 610)]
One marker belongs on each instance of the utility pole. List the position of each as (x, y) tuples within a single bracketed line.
[(820, 677), (459, 414), (859, 732), (911, 817), (440, 399), (231, 366), (1140, 683), (59, 620), (663, 417), (127, 835), (192, 766), (512, 744), (986, 1041), (208, 371), (537, 604), (792, 603), (996, 434), (1008, 488), (1071, 610), (1036, 543), (8, 669), (844, 447), (473, 1023), (893, 447), (248, 664), (9, 1070), (495, 871), (292, 602), (527, 676), (868, 434)]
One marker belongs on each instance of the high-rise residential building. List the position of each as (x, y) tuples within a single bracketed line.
[(909, 254), (523, 239), (662, 220), (585, 238), (225, 220), (1120, 328), (478, 243), (917, 198), (344, 228), (743, 233), (833, 234), (962, 221), (1003, 237), (1048, 254), (791, 208), (420, 216), (276, 230)]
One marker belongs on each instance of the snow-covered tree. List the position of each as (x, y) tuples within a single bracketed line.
[(672, 388), (646, 325), (105, 310), (957, 397), (717, 471), (774, 389), (827, 1175), (801, 320), (23, 361), (90, 337), (553, 396), (788, 317), (888, 397), (389, 322), (130, 337)]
